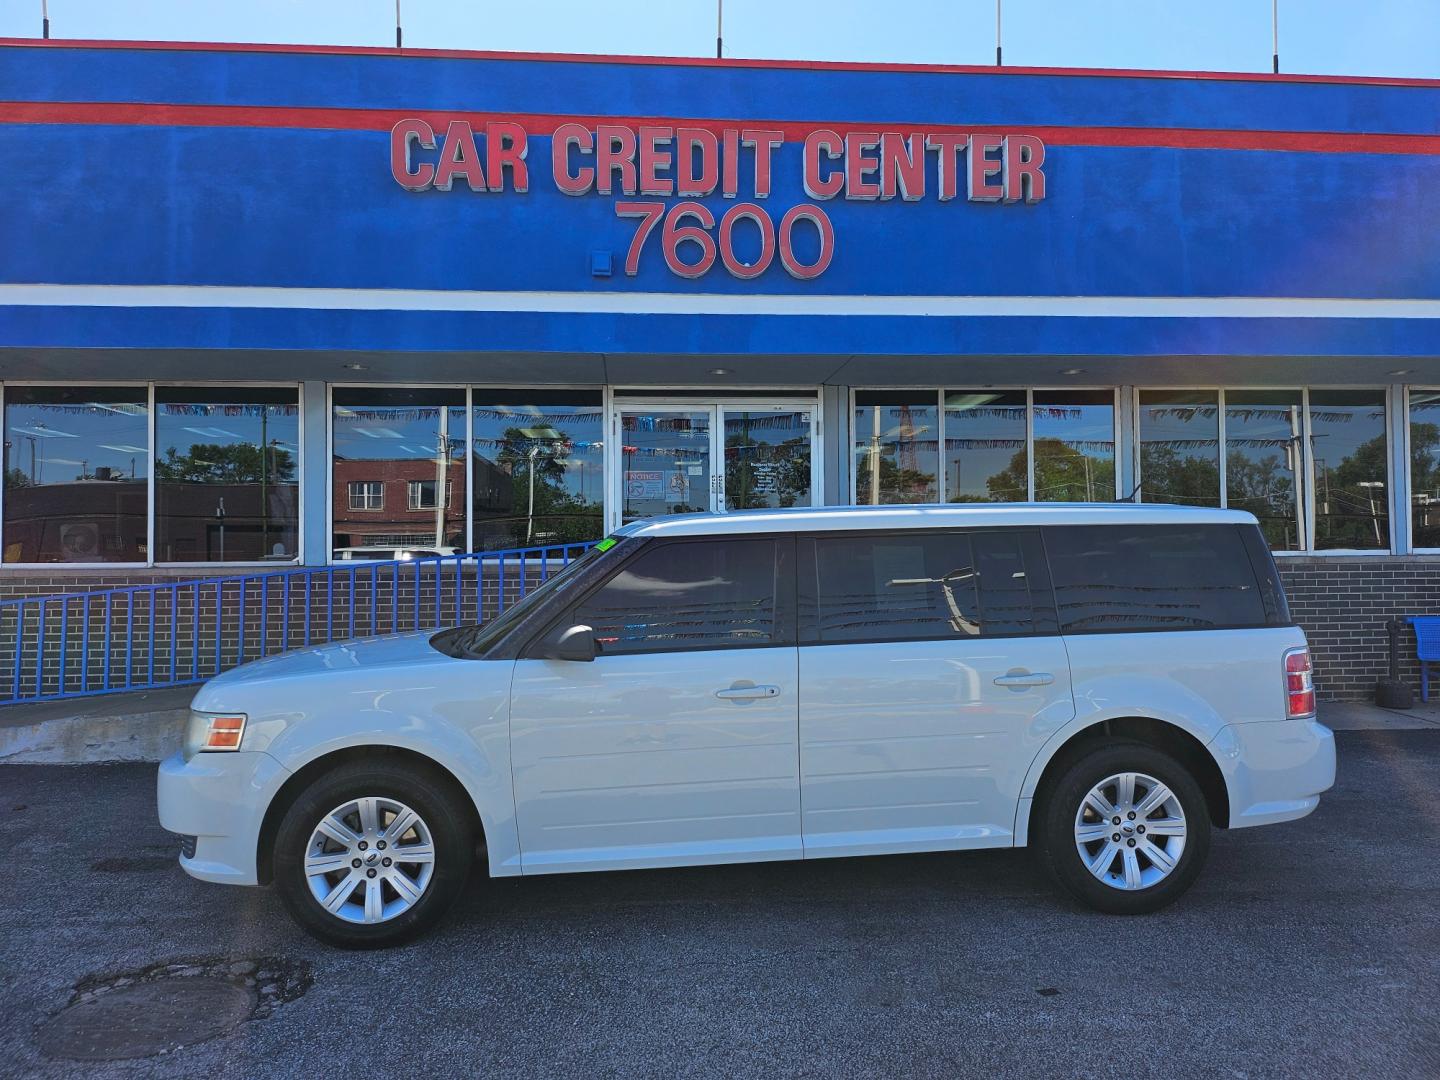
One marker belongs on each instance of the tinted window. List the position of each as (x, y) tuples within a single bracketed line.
[(675, 596), (75, 474), (920, 586), (1153, 577)]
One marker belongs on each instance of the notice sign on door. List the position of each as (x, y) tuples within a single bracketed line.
[(644, 484)]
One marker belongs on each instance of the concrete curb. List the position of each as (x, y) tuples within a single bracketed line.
[(144, 726)]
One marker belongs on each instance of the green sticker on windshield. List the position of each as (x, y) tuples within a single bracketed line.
[(606, 544)]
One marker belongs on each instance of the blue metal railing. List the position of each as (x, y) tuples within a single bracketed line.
[(144, 637)]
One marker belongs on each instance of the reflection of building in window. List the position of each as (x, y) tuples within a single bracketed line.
[(370, 495)]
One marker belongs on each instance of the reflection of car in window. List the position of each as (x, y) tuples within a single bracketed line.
[(1102, 684), (401, 554)]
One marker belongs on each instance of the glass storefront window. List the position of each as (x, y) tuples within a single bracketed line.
[(386, 440), (1262, 449), (1180, 447), (1350, 478), (897, 437), (227, 474), (985, 453), (1425, 468), (77, 463), (539, 468), (767, 458), (1074, 433), (666, 461)]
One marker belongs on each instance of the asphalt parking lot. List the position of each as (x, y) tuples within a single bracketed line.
[(1311, 949)]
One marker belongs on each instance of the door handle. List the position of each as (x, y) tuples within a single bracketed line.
[(747, 693), (1025, 678)]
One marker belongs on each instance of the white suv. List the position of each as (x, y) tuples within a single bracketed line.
[(1101, 683)]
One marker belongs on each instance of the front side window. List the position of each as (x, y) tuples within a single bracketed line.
[(896, 447), (539, 462), (1180, 447), (77, 462), (1350, 462), (227, 485), (678, 596), (1152, 577), (1074, 434), (920, 586), (382, 436)]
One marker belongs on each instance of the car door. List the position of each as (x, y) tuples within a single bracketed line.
[(931, 672), (678, 743)]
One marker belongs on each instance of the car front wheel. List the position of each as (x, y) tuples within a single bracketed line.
[(1125, 829), (372, 855)]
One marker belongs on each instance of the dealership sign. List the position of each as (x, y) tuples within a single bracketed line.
[(690, 163)]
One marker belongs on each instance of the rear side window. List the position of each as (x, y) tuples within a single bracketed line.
[(919, 586), (691, 595), (1153, 577)]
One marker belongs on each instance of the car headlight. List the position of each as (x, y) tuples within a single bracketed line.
[(213, 732)]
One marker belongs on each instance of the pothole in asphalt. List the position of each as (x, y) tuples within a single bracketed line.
[(169, 1006)]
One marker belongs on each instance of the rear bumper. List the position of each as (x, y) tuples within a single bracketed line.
[(220, 800), (1274, 770)]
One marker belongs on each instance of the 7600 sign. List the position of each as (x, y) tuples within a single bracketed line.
[(676, 232), (693, 160)]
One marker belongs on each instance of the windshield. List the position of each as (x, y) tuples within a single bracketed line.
[(476, 639)]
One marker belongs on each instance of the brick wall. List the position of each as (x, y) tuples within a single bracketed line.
[(1343, 605)]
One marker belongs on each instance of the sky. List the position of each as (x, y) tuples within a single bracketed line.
[(1331, 37)]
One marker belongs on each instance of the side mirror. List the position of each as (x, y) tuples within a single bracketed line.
[(572, 643)]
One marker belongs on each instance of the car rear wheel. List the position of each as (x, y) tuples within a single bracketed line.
[(1125, 829), (372, 855)]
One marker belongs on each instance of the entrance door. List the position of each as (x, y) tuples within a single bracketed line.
[(689, 457)]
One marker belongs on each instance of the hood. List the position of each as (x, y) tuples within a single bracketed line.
[(394, 651)]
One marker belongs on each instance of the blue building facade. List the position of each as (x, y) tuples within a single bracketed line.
[(264, 305)]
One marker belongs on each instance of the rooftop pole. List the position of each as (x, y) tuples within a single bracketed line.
[(399, 37), (719, 29), (45, 19), (1275, 37), (999, 58)]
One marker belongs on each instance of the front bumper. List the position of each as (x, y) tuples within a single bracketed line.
[(220, 800), (1275, 770)]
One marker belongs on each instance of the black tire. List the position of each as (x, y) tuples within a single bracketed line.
[(422, 790), (1055, 824)]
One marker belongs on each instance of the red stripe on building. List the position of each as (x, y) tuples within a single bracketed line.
[(331, 119)]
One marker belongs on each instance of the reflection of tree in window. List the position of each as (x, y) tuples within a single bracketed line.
[(1262, 451), (1425, 467), (761, 473), (538, 471), (1180, 447), (1063, 473), (1074, 434), (1350, 460)]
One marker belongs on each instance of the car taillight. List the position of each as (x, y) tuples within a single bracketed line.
[(1299, 685), (223, 733)]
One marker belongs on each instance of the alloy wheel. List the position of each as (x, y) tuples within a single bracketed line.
[(369, 860), (1130, 831)]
